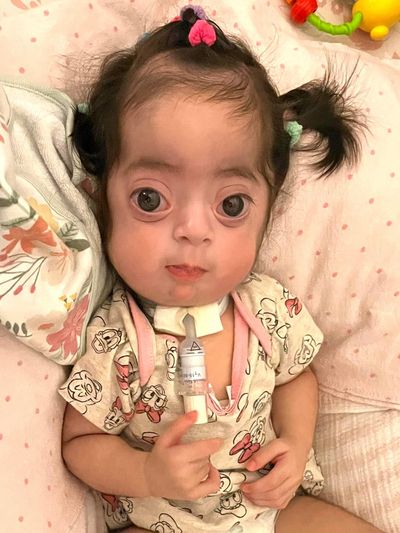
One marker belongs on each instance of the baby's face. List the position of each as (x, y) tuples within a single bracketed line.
[(187, 203)]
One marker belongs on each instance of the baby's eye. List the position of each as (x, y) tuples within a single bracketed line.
[(147, 199), (234, 206)]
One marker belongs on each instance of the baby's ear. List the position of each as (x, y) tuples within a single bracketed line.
[(89, 187)]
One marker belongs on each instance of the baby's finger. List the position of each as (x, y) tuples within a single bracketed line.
[(277, 499), (265, 455), (198, 450), (268, 483), (203, 470), (210, 484), (272, 504), (176, 430)]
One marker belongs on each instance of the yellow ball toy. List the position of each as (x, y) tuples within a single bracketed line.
[(378, 16)]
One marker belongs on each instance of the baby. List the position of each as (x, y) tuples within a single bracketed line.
[(191, 144)]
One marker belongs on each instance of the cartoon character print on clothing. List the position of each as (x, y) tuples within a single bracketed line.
[(231, 481), (166, 524), (249, 442), (186, 509), (282, 333), (150, 437), (261, 402), (144, 441), (117, 508), (125, 373), (232, 503), (242, 404), (292, 303), (106, 340), (118, 295), (314, 489), (171, 358), (304, 354), (251, 277), (311, 485), (247, 370), (83, 390), (212, 417), (266, 316), (270, 321), (116, 417), (236, 528), (263, 356), (152, 402)]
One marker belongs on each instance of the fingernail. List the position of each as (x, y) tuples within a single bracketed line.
[(251, 465)]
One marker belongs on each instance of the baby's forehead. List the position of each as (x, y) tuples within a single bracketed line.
[(164, 86), (186, 149), (182, 125), (166, 75)]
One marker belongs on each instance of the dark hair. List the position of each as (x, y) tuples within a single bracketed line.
[(164, 61)]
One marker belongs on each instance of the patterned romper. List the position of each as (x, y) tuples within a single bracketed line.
[(125, 384)]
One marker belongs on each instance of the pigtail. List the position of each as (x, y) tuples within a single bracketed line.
[(91, 158), (97, 121), (323, 107)]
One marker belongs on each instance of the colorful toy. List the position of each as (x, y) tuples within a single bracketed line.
[(373, 16)]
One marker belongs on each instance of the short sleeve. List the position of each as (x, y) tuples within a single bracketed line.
[(104, 384), (295, 338)]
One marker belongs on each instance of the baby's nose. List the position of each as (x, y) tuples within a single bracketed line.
[(194, 225)]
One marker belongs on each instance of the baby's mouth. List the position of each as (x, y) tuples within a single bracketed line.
[(186, 272)]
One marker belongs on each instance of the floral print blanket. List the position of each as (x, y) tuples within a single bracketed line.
[(52, 272)]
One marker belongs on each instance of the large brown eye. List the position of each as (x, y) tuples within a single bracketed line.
[(233, 206), (148, 199)]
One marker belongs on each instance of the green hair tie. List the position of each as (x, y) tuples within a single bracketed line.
[(294, 129), (83, 107)]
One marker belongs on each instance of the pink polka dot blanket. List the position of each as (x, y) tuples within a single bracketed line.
[(334, 242)]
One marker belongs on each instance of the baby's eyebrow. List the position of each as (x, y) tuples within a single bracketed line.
[(241, 171), (148, 163)]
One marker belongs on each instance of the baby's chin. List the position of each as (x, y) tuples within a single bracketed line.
[(187, 296)]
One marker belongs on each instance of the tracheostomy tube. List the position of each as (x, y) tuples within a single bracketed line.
[(192, 380)]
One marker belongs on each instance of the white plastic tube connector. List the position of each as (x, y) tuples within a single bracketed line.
[(193, 377)]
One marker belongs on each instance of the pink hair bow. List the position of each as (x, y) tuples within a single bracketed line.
[(202, 32)]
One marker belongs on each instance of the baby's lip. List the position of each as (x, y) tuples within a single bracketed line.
[(185, 271), (188, 268)]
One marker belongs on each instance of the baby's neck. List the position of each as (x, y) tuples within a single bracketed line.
[(170, 319)]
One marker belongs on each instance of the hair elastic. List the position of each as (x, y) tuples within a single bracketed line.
[(294, 129), (83, 108), (201, 31), (197, 10)]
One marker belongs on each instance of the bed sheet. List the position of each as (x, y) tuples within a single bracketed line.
[(47, 41)]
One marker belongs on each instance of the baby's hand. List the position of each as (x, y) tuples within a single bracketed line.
[(278, 487), (182, 471)]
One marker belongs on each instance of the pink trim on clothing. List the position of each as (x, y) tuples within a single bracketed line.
[(145, 340), (243, 320), (239, 362), (240, 354), (254, 324)]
